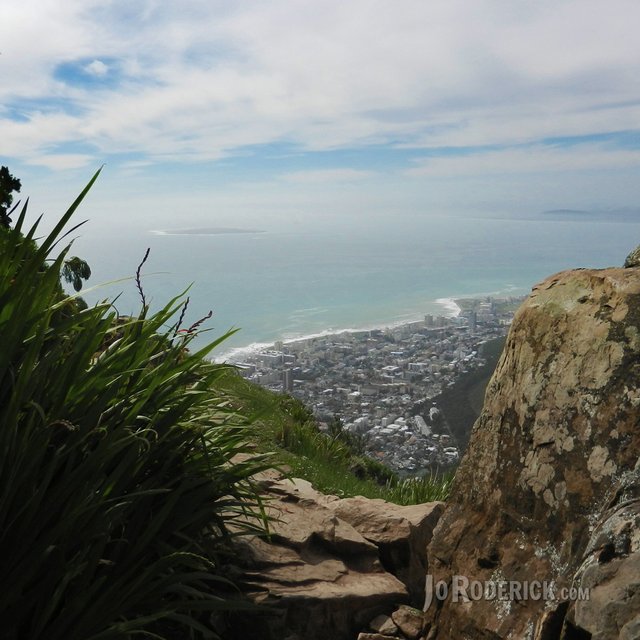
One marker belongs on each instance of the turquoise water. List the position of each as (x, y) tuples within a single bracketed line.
[(286, 283)]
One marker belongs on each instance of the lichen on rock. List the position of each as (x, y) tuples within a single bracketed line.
[(559, 427), (633, 259)]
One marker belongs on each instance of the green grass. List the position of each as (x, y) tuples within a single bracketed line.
[(120, 486), (334, 465), (117, 487)]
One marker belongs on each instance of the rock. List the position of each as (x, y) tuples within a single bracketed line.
[(401, 534), (610, 571), (318, 576), (410, 621), (558, 427), (631, 630), (384, 625), (372, 636), (633, 259), (614, 600)]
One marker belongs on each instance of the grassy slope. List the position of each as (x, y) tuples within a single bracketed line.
[(116, 492), (284, 426)]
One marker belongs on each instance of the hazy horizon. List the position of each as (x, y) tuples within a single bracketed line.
[(281, 113)]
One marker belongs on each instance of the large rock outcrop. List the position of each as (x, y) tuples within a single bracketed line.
[(535, 494), (610, 570), (330, 565), (400, 533)]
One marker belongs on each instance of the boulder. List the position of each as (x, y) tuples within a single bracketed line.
[(401, 534), (607, 605), (558, 429), (633, 259), (410, 621), (319, 576)]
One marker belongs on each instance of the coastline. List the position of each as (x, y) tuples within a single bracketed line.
[(449, 307), (391, 385)]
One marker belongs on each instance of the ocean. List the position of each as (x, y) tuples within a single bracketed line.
[(279, 283)]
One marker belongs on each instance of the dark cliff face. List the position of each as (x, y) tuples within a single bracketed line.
[(559, 428)]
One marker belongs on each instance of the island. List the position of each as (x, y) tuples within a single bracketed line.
[(204, 231)]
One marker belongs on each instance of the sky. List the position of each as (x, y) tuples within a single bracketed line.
[(257, 112)]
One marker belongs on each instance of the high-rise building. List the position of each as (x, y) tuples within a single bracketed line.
[(287, 380), (473, 322)]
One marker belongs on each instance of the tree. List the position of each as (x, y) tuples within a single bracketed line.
[(74, 271), (121, 483), (8, 184)]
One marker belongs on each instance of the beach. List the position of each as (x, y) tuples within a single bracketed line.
[(448, 309), (287, 285)]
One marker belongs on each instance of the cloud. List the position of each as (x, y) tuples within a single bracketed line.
[(327, 176), (532, 159), (62, 161), (39, 133), (97, 68), (201, 81)]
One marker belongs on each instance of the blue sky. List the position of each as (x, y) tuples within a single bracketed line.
[(262, 110)]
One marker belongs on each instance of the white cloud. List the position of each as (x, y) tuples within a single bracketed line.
[(40, 133), (204, 79), (327, 176), (62, 161), (97, 68), (534, 159)]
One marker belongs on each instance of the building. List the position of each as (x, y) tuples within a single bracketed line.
[(287, 380)]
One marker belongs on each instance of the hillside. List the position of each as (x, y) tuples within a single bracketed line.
[(130, 463), (334, 463), (548, 492)]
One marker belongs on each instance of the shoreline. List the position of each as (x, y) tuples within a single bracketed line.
[(205, 231), (235, 355)]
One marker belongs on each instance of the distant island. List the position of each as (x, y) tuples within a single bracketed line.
[(614, 215), (204, 231), (568, 212)]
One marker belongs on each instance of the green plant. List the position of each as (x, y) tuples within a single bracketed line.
[(374, 470), (8, 184), (74, 271), (428, 488), (118, 488), (305, 440)]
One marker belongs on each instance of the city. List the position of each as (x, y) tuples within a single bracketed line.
[(383, 384)]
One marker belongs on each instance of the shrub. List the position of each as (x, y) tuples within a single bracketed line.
[(375, 470), (117, 487), (335, 463), (305, 440), (427, 488)]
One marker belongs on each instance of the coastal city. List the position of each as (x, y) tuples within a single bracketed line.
[(382, 385)]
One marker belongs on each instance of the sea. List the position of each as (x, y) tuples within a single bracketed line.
[(280, 283)]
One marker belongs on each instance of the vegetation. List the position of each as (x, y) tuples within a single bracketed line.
[(74, 271), (117, 492), (333, 462), (121, 486), (462, 402), (8, 184)]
